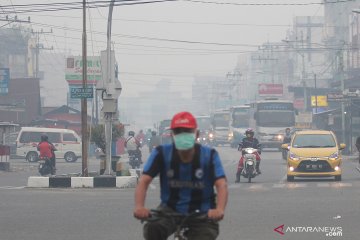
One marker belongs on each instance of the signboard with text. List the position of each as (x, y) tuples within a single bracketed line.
[(270, 89), (321, 101), (81, 93), (74, 67), (4, 80)]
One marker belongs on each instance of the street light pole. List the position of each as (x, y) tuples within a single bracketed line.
[(108, 123), (84, 129)]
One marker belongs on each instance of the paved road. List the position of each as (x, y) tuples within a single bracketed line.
[(254, 209)]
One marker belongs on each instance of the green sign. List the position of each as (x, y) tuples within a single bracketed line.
[(81, 93)]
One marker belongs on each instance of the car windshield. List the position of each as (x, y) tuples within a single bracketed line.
[(314, 141)]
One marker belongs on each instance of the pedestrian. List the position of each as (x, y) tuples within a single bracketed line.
[(188, 173)]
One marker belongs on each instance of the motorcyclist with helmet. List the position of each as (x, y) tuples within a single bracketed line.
[(47, 152), (248, 142), (286, 140), (154, 141), (133, 145)]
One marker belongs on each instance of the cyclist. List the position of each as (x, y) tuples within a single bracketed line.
[(188, 173)]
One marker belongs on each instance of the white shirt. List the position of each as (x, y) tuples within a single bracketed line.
[(131, 144)]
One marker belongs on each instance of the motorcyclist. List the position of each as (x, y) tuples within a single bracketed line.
[(248, 142), (154, 141), (287, 136), (47, 151), (148, 136), (133, 145), (286, 140), (141, 137)]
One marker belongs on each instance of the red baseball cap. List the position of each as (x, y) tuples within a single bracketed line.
[(183, 120)]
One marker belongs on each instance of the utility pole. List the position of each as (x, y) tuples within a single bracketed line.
[(37, 48), (110, 87), (84, 130), (316, 100), (15, 19), (341, 71)]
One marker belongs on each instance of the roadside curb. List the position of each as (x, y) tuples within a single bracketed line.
[(351, 158), (82, 182)]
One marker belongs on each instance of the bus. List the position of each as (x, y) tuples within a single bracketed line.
[(220, 121), (271, 118), (239, 122)]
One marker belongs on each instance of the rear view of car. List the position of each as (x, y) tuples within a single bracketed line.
[(314, 154)]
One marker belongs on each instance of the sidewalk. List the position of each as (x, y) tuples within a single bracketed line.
[(353, 157)]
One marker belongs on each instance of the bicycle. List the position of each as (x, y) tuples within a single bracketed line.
[(179, 219)]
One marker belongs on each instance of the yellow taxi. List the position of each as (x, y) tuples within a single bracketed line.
[(314, 153)]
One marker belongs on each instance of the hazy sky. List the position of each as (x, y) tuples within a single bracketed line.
[(144, 61)]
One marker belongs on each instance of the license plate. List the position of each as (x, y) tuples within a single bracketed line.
[(314, 167)]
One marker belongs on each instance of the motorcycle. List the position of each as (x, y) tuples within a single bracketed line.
[(134, 160), (45, 166), (249, 169)]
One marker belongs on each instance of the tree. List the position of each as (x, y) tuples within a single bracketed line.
[(98, 134)]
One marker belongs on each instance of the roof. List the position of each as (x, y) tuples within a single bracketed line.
[(63, 109), (41, 129), (304, 132)]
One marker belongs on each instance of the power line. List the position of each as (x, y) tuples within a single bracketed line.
[(75, 6), (268, 4)]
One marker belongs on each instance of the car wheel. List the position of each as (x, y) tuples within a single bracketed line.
[(290, 178), (70, 157), (32, 157), (338, 178)]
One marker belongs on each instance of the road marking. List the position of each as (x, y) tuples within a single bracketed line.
[(152, 186), (12, 187), (256, 187), (296, 185), (339, 185)]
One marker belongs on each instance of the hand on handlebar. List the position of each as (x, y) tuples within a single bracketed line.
[(141, 213), (216, 214)]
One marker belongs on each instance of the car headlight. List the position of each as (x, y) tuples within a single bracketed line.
[(211, 135), (334, 156), (231, 134), (279, 137), (293, 156)]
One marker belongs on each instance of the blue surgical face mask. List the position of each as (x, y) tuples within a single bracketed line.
[(184, 141)]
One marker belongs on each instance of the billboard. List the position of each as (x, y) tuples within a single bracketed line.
[(74, 66), (270, 89), (321, 101), (4, 80)]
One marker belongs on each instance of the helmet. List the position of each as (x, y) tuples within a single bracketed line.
[(131, 133), (44, 137), (249, 131)]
